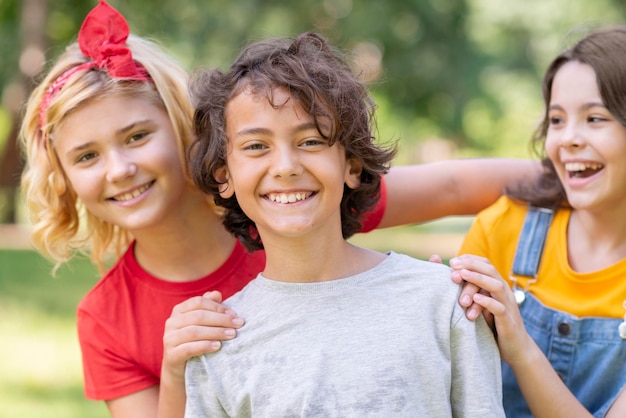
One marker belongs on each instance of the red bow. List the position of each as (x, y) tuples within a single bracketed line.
[(102, 37)]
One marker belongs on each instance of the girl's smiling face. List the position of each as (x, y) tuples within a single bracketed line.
[(585, 142), (286, 176), (121, 158)]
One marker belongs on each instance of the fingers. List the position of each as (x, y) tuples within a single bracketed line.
[(214, 295), (435, 259), (474, 263), (477, 275), (210, 301)]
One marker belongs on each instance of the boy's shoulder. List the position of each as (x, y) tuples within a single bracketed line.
[(418, 266)]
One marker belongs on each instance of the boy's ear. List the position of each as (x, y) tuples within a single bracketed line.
[(353, 173), (226, 188)]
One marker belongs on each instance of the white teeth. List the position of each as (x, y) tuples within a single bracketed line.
[(127, 196), (288, 197), (582, 166)]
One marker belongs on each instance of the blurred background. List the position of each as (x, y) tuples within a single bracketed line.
[(452, 79)]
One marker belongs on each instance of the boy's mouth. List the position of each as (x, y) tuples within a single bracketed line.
[(289, 197)]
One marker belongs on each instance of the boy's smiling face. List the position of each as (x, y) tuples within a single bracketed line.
[(286, 177)]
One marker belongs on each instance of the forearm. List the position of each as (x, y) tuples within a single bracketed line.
[(172, 397), (544, 391), (424, 192)]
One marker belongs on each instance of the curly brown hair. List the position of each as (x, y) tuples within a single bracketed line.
[(319, 78)]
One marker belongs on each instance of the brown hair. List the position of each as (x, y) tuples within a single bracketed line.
[(604, 50), (321, 81)]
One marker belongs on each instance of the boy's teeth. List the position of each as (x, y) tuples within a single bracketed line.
[(287, 197)]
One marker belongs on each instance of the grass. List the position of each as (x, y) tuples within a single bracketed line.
[(40, 362), (39, 354)]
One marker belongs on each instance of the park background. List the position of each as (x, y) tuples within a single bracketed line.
[(452, 79)]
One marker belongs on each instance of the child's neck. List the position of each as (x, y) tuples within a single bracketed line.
[(304, 262), (189, 245), (595, 242)]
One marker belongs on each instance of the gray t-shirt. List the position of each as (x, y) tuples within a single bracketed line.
[(388, 342)]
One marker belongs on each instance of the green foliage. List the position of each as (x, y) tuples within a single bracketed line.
[(465, 71)]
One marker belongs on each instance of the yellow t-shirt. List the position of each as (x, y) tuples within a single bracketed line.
[(494, 235)]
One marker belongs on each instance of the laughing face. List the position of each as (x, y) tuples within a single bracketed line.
[(285, 175), (585, 142), (121, 158)]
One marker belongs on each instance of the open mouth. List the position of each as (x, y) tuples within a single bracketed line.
[(289, 197), (131, 195), (582, 170)]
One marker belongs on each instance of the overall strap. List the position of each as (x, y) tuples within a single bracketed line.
[(531, 241)]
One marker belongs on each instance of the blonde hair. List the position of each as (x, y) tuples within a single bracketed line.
[(53, 206)]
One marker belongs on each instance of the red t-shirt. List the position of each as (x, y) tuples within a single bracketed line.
[(121, 320)]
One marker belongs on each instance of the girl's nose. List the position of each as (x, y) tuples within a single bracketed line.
[(119, 167), (571, 137)]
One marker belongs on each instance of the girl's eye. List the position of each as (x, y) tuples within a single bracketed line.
[(555, 120), (596, 119), (137, 136), (86, 157)]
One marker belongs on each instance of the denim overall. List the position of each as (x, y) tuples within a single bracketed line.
[(588, 354)]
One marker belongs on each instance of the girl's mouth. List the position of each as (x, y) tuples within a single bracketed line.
[(582, 170), (133, 194)]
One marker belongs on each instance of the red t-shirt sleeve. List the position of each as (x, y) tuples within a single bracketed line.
[(108, 371), (372, 219)]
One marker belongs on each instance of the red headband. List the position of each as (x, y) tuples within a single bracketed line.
[(102, 37)]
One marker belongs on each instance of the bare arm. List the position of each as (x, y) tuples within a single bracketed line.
[(142, 404), (424, 192)]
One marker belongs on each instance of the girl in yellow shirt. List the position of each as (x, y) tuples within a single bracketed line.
[(560, 316)]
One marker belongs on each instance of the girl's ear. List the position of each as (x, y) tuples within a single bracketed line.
[(226, 188), (353, 173)]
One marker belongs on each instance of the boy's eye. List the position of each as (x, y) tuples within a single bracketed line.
[(312, 142), (254, 147)]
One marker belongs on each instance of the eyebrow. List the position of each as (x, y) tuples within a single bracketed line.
[(79, 148), (131, 126), (118, 132), (586, 106), (264, 131)]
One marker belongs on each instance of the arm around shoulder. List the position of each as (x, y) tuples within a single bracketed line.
[(424, 192)]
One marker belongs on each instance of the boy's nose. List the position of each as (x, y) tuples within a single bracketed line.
[(286, 163)]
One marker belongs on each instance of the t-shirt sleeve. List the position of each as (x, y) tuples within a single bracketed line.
[(202, 400), (372, 219), (108, 372), (476, 373)]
